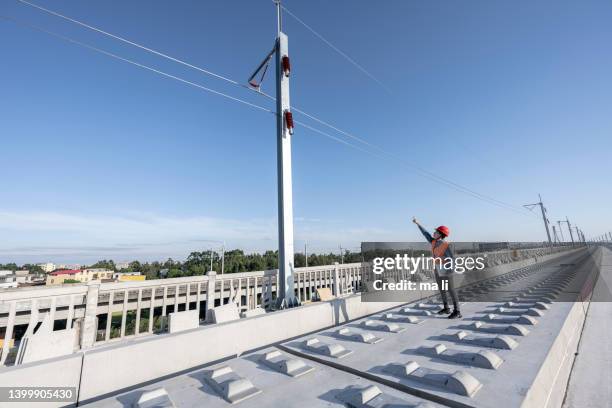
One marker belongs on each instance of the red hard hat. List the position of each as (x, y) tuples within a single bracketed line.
[(442, 229)]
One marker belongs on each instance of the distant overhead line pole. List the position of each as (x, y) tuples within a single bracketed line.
[(569, 227), (543, 209), (561, 231)]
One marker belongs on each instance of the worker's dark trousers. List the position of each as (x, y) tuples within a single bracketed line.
[(451, 289)]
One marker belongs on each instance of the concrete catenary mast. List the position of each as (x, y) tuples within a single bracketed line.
[(530, 206), (284, 130)]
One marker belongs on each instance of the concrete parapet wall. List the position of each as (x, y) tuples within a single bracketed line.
[(548, 387), (56, 372)]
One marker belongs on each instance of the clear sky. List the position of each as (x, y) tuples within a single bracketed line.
[(103, 159)]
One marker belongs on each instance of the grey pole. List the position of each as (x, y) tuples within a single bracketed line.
[(530, 206), (545, 220), (286, 294), (211, 258), (569, 227), (306, 253), (561, 231), (555, 234), (223, 258), (577, 233)]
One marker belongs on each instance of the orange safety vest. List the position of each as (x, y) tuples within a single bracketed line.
[(439, 250)]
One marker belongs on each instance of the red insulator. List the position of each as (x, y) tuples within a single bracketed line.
[(289, 122), (286, 64)]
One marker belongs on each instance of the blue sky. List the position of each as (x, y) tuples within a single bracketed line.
[(103, 159)]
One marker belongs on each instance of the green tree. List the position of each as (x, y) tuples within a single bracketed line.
[(105, 264)]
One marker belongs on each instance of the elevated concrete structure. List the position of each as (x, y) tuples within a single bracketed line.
[(436, 362)]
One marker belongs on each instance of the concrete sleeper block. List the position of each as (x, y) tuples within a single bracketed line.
[(463, 383), (239, 389), (330, 350), (428, 306), (528, 320), (368, 393), (522, 319), (414, 312), (390, 317), (368, 338), (521, 299), (157, 398), (498, 342), (541, 306), (516, 311), (482, 359), (372, 397), (511, 329), (292, 367), (459, 382), (385, 327), (230, 385), (528, 305), (221, 371)]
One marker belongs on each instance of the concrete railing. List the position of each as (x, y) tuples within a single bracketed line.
[(108, 312)]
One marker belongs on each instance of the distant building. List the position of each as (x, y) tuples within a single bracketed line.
[(128, 276), (10, 279), (67, 266), (7, 279), (122, 265), (81, 275), (47, 267)]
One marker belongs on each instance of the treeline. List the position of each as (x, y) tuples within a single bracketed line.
[(198, 263), (14, 267)]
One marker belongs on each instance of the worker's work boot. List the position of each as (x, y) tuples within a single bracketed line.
[(455, 315), (446, 310)]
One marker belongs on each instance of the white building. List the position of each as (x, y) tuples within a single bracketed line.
[(47, 267), (7, 279), (10, 279)]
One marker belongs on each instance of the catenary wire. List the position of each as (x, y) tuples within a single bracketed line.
[(126, 41), (336, 49), (423, 172), (224, 78), (110, 54)]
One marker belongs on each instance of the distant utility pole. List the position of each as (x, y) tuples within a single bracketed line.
[(531, 206), (555, 234), (569, 227), (561, 231), (223, 258), (306, 253), (284, 130), (211, 259)]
